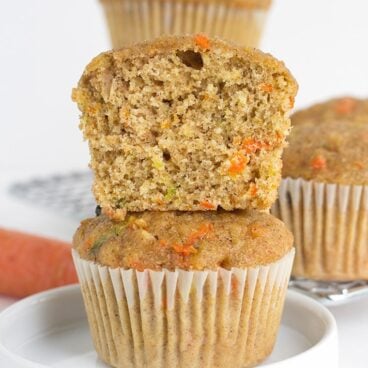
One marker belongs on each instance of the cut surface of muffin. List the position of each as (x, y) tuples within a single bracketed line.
[(186, 240), (329, 143), (185, 123)]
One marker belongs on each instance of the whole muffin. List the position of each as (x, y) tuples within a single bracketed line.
[(170, 289), (185, 123), (131, 21), (324, 195)]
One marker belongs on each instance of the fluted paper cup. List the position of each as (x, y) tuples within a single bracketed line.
[(330, 227), (132, 21), (197, 319)]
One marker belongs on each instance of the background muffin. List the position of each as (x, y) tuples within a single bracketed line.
[(185, 123), (191, 287), (324, 196), (130, 21)]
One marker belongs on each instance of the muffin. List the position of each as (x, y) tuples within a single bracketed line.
[(131, 21), (188, 289), (323, 198), (185, 123)]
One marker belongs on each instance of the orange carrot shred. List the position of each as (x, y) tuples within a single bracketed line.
[(292, 101), (208, 205), (202, 41), (251, 145), (345, 106), (279, 136), (266, 87), (359, 165), (187, 247), (139, 266), (237, 164), (184, 249), (199, 234), (253, 190), (319, 162)]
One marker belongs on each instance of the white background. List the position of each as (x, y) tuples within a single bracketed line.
[(45, 44)]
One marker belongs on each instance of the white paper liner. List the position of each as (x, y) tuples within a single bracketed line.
[(132, 21), (167, 319), (330, 227)]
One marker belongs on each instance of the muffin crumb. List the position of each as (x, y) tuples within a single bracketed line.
[(185, 123)]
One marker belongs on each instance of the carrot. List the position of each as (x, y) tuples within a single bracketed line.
[(184, 249), (253, 189), (137, 265), (345, 106), (318, 162), (202, 41), (207, 205), (203, 230), (359, 165), (29, 263), (237, 164), (187, 247), (251, 145), (266, 87), (292, 102)]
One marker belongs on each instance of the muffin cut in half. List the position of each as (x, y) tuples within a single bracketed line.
[(185, 123), (181, 289), (323, 197)]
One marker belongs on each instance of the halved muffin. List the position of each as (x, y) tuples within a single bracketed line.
[(185, 123)]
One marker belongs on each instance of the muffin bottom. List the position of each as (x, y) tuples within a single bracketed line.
[(223, 318), (330, 227), (132, 21)]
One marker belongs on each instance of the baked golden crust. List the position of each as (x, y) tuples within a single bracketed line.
[(186, 240), (345, 109), (329, 143), (185, 123), (248, 4)]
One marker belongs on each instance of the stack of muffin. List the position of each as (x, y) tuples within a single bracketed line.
[(183, 266)]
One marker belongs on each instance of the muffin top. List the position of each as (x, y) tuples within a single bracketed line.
[(329, 143), (185, 240)]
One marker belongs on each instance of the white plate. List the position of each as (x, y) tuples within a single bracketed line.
[(50, 330)]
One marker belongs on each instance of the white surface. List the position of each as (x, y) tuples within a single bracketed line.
[(40, 331), (46, 44)]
